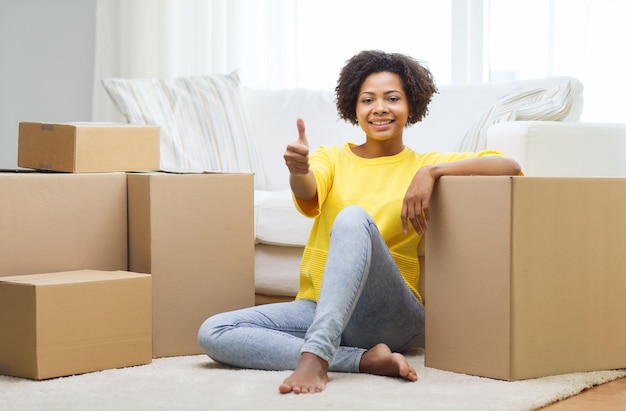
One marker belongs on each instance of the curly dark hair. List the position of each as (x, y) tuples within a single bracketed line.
[(417, 80)]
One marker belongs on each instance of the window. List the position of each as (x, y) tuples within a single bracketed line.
[(331, 31), (540, 38), (465, 41)]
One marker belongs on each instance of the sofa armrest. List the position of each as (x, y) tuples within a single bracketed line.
[(562, 149)]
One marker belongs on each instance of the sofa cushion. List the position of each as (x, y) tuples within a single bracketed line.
[(277, 270), (278, 222), (534, 103), (204, 120)]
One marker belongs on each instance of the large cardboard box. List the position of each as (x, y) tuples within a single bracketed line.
[(53, 222), (195, 234), (88, 147), (67, 323), (526, 276)]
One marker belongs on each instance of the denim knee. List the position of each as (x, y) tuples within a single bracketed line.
[(208, 333), (350, 217)]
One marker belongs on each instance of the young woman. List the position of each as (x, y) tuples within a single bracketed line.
[(358, 308)]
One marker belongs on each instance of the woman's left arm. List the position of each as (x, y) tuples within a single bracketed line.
[(416, 203)]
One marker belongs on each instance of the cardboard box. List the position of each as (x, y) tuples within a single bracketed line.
[(67, 323), (526, 276), (195, 234), (53, 222), (88, 147)]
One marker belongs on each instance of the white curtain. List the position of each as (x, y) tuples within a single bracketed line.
[(172, 38), (291, 43)]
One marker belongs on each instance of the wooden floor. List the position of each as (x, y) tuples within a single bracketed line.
[(606, 397)]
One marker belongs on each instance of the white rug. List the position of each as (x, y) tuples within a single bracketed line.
[(197, 383)]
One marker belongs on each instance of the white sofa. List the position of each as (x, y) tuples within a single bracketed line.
[(543, 148), (211, 123)]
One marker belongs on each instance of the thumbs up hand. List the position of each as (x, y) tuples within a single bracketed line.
[(297, 153), (302, 133)]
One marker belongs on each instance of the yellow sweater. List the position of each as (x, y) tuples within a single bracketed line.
[(378, 185)]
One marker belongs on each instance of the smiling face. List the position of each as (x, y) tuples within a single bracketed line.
[(382, 109)]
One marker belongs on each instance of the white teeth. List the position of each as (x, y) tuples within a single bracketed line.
[(381, 123)]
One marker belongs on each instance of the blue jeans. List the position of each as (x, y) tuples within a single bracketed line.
[(363, 301)]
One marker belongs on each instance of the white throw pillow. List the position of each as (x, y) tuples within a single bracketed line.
[(204, 120), (553, 104)]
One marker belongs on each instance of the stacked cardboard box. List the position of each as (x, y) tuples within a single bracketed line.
[(88, 147), (66, 323), (192, 232), (526, 276), (60, 222), (195, 234)]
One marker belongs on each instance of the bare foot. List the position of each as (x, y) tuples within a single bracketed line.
[(379, 360), (310, 376)]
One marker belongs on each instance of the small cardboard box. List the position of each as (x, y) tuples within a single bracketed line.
[(526, 276), (88, 147), (195, 234), (52, 222), (67, 323)]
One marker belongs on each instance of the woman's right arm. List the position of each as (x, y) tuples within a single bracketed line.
[(301, 178)]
